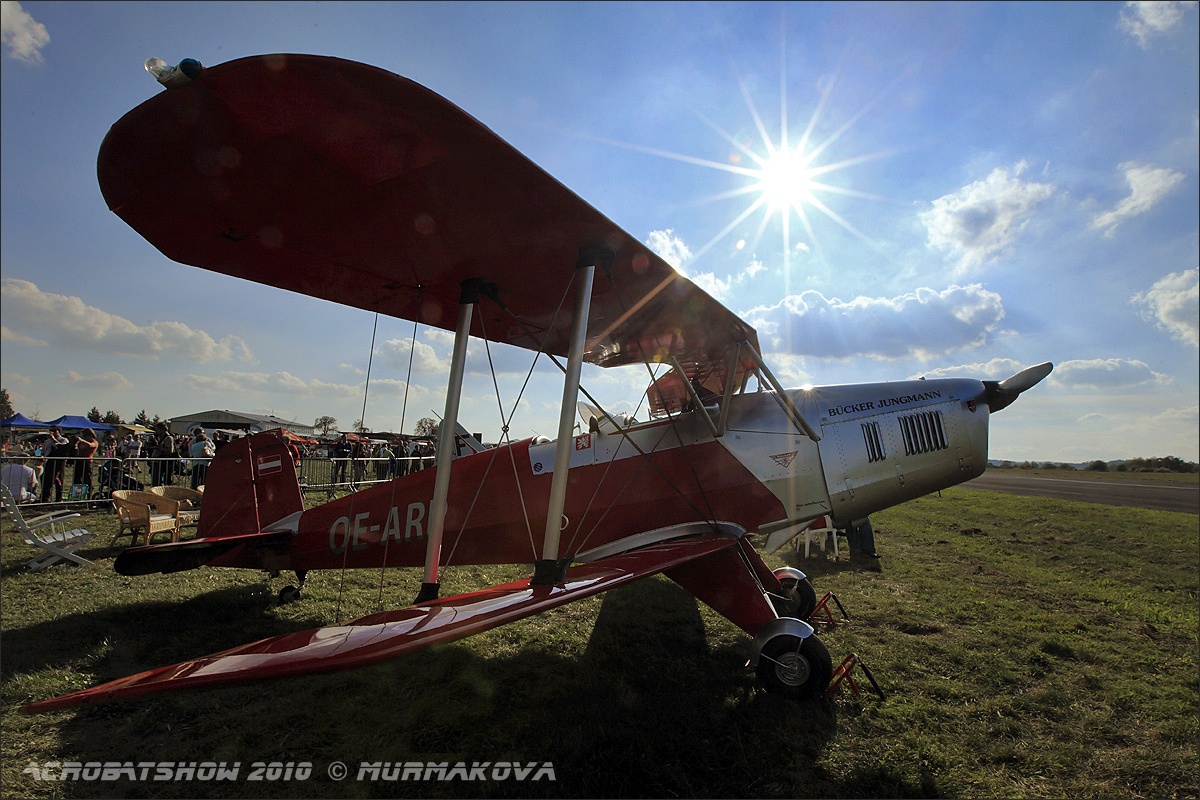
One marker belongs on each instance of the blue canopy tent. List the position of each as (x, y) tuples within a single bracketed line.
[(22, 421), (69, 423)]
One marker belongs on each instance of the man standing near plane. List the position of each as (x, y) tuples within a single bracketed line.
[(342, 450), (55, 450)]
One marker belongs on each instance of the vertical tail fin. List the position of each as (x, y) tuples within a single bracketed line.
[(251, 483)]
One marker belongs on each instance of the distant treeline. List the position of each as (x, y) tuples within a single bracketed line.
[(1164, 464)]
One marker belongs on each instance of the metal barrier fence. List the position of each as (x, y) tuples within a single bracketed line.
[(316, 474)]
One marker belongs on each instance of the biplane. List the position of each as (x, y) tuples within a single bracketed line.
[(352, 184)]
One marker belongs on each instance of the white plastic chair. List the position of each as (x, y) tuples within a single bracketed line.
[(57, 543), (821, 530)]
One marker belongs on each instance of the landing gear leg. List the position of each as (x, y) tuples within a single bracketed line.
[(290, 594)]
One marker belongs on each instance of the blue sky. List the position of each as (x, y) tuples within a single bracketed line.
[(983, 187)]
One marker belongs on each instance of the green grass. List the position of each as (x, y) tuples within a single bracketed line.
[(1029, 647)]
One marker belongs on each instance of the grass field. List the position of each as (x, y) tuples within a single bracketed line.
[(1029, 647)]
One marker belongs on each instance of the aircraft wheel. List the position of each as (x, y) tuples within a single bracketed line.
[(802, 593), (796, 668), (289, 594)]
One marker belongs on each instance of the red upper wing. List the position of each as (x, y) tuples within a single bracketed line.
[(394, 633), (349, 183)]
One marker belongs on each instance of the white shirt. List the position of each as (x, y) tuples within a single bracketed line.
[(21, 480)]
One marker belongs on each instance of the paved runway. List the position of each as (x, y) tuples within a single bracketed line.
[(1134, 493)]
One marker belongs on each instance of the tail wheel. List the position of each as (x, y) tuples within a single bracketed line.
[(796, 668), (802, 594)]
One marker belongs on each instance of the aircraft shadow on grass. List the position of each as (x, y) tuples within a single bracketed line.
[(649, 708)]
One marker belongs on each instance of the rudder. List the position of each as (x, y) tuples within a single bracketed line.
[(251, 483)]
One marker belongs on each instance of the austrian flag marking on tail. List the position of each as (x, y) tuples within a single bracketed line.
[(269, 465)]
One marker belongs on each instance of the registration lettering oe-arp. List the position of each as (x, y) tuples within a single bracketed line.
[(345, 530)]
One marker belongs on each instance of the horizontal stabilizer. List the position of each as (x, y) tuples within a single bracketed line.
[(180, 556), (390, 634)]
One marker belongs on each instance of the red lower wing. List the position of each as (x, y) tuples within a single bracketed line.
[(390, 634)]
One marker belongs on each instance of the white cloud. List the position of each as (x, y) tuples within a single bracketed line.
[(1146, 21), (396, 352), (12, 337), (240, 383), (1106, 374), (103, 381), (922, 324), (1147, 185), (23, 36), (996, 369), (710, 283), (1173, 303), (70, 323), (982, 220), (670, 248)]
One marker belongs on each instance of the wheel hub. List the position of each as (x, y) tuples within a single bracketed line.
[(792, 669)]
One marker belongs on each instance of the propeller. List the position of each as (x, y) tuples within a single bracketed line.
[(1000, 394)]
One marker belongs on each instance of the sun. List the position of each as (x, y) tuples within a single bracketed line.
[(785, 180)]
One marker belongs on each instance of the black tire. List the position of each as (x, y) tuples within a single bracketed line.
[(802, 595), (798, 669)]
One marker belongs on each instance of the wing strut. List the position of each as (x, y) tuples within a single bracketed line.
[(781, 397), (730, 376), (694, 397), (467, 301), (549, 570)]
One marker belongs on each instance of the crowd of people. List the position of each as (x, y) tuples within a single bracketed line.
[(389, 459), (38, 469)]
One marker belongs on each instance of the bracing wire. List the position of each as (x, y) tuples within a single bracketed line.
[(370, 359), (625, 436), (363, 424), (412, 349)]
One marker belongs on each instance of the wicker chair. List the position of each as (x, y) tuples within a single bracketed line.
[(189, 502), (145, 514)]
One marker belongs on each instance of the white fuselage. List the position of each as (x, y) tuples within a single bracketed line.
[(881, 444)]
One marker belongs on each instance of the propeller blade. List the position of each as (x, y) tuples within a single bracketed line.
[(1001, 394)]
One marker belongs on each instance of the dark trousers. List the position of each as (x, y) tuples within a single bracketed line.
[(52, 477), (861, 538), (161, 471), (83, 472)]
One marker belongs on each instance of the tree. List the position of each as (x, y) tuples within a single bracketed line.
[(143, 419), (360, 428), (426, 426), (94, 415), (112, 418), (6, 406), (1097, 466), (325, 424)]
